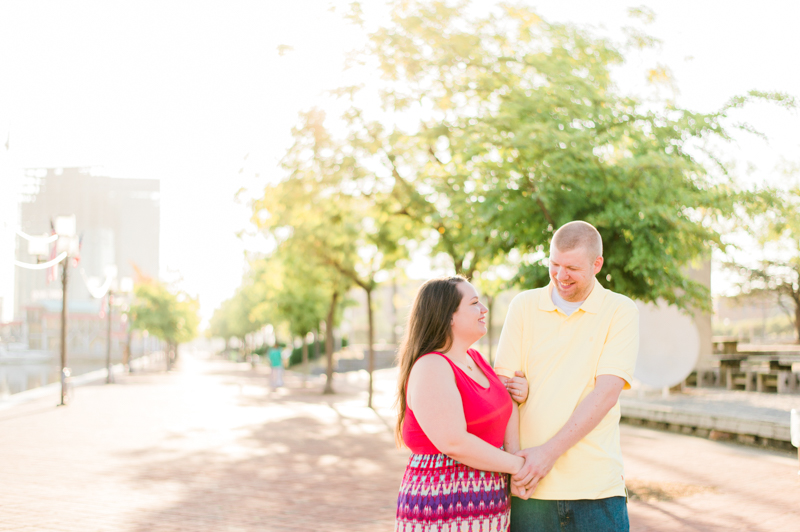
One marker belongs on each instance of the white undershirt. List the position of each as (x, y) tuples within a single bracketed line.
[(567, 307)]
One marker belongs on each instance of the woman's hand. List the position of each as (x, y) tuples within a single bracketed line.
[(520, 492), (517, 387)]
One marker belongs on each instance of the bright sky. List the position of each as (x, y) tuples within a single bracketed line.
[(182, 91)]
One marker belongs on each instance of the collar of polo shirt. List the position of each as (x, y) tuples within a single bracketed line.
[(591, 305)]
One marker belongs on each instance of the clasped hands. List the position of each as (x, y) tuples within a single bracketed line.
[(538, 463)]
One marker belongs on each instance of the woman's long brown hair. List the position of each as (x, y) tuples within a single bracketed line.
[(428, 329)]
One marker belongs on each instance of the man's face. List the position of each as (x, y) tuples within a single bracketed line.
[(573, 272)]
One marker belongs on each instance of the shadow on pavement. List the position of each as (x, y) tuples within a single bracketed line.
[(327, 466)]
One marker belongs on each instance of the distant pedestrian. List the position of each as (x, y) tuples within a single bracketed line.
[(276, 366)]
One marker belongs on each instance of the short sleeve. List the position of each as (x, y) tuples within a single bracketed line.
[(510, 347), (622, 344)]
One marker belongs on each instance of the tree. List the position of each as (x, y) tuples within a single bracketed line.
[(218, 325), (296, 289), (777, 268), (490, 284), (526, 131), (169, 316), (303, 300), (235, 318), (329, 206)]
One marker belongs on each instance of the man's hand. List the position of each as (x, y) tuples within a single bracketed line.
[(538, 463), (517, 387)]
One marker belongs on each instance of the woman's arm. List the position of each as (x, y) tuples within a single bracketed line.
[(511, 440), (434, 398), (511, 444)]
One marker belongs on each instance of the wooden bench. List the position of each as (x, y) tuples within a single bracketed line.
[(768, 373), (726, 345), (730, 372), (762, 369)]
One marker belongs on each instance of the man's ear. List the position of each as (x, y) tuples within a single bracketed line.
[(598, 264)]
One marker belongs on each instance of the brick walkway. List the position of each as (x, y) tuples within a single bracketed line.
[(208, 448), (205, 448), (689, 483)]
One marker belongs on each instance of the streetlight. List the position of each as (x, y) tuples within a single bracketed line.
[(126, 287), (67, 245), (65, 228), (123, 286), (111, 275)]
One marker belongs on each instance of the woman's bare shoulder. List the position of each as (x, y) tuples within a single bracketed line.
[(431, 366)]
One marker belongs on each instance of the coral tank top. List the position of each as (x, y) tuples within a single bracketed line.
[(486, 410)]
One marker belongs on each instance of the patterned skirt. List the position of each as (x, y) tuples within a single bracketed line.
[(439, 494)]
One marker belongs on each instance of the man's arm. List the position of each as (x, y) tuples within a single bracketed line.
[(594, 407), (510, 347)]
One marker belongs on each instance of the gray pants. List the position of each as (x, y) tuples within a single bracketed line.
[(276, 377)]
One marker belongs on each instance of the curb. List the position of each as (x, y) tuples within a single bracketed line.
[(744, 430), (83, 379)]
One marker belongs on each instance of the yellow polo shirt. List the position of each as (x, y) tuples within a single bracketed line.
[(561, 356)]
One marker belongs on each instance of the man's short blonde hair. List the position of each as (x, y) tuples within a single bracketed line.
[(579, 234)]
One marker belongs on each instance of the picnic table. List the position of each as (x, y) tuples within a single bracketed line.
[(753, 367), (762, 371)]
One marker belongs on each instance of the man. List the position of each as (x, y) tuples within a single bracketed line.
[(576, 343)]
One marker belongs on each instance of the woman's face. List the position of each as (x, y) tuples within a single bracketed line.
[(469, 319)]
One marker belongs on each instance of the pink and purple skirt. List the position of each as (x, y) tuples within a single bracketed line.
[(439, 494)]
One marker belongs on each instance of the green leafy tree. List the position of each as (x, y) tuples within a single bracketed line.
[(429, 188), (776, 271), (167, 315), (490, 284), (235, 317), (218, 324), (330, 208), (525, 131), (297, 290)]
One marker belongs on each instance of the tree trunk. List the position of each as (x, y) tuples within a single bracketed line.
[(128, 353), (394, 311), (370, 336), (489, 305), (329, 344), (470, 272), (305, 360), (316, 343), (796, 299)]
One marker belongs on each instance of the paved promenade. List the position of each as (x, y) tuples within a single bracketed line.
[(208, 448)]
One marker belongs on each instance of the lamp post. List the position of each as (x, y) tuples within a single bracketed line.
[(67, 245), (65, 228), (126, 288), (111, 275)]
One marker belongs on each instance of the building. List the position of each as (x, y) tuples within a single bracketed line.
[(118, 221)]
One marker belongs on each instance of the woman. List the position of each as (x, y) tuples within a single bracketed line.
[(454, 414)]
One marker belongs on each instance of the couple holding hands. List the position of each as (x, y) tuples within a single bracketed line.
[(543, 424)]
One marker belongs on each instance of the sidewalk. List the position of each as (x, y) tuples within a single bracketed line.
[(208, 448), (204, 448)]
